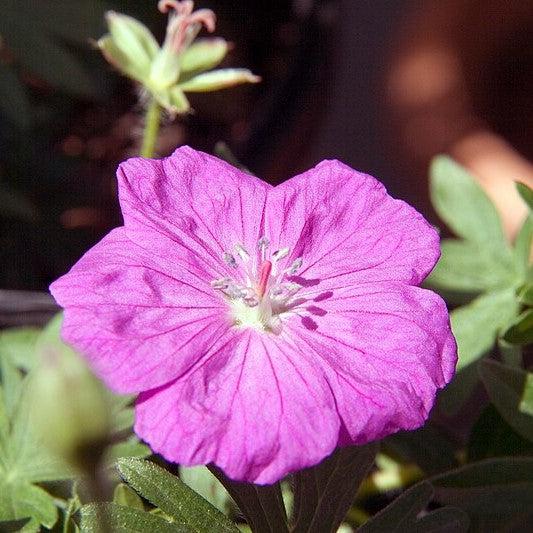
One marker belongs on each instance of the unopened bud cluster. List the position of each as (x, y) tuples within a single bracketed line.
[(181, 64)]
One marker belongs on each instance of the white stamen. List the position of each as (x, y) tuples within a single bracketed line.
[(256, 299), (241, 251), (280, 254)]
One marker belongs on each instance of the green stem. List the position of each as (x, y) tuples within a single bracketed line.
[(151, 129)]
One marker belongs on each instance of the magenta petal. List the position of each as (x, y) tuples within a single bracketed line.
[(386, 349), (258, 408), (192, 192), (140, 318), (348, 230)]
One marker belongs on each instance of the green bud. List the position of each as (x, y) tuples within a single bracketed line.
[(218, 79), (134, 40), (204, 54), (70, 410)]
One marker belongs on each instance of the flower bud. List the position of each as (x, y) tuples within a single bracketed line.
[(70, 410)]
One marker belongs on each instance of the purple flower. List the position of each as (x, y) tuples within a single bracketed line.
[(262, 326)]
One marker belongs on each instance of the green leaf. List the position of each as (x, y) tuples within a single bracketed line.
[(463, 205), (506, 388), (492, 436), (470, 267), (23, 500), (204, 54), (173, 497), (123, 495), (218, 79), (14, 101), (324, 493), (526, 193), (262, 505), (125, 520), (202, 481), (492, 492), (520, 331), (477, 324), (401, 515)]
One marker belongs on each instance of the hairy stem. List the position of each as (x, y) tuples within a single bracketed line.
[(151, 128)]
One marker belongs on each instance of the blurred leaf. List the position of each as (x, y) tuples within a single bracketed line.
[(125, 520), (18, 345), (463, 205), (472, 268), (522, 246), (218, 79), (525, 294), (520, 331), (526, 193), (492, 436), (526, 402), (173, 497), (204, 54), (22, 500), (261, 505), (425, 447), (54, 63), (13, 525), (477, 324), (324, 493), (75, 22), (128, 448), (401, 515), (492, 492), (15, 106), (506, 387), (202, 481), (127, 497)]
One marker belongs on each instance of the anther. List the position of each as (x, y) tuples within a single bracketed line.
[(296, 265), (230, 260)]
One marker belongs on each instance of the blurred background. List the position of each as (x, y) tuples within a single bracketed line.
[(383, 85)]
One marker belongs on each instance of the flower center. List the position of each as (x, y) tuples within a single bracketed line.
[(261, 289)]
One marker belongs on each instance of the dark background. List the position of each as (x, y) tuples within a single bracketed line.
[(67, 119)]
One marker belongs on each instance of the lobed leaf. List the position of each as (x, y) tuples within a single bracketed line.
[(262, 505), (493, 492), (324, 493), (507, 386), (463, 205), (402, 515), (477, 324), (470, 267), (520, 331), (526, 193)]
